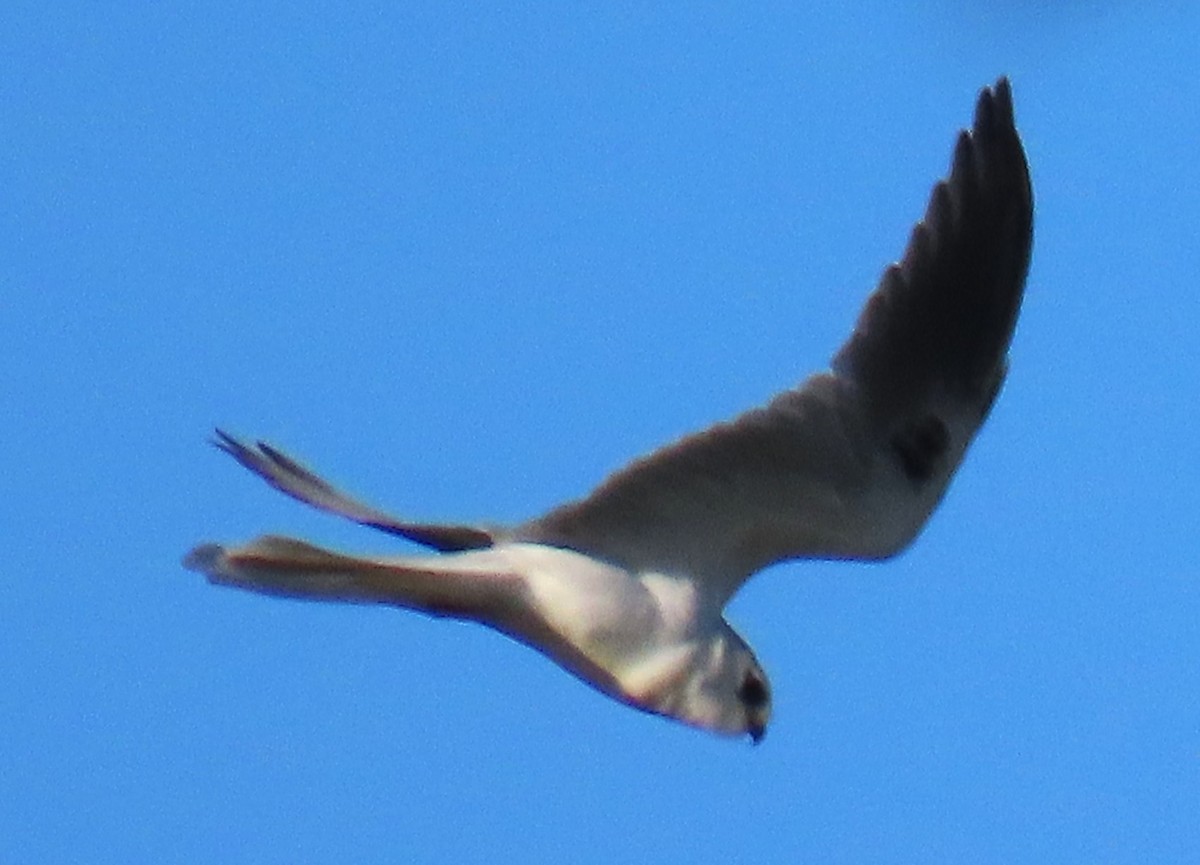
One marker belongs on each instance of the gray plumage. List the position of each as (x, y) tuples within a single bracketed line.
[(626, 587)]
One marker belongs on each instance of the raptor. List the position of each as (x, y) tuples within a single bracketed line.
[(626, 588)]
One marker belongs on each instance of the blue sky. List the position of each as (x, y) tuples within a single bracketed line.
[(465, 262)]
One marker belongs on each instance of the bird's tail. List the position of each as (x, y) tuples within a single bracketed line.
[(458, 585)]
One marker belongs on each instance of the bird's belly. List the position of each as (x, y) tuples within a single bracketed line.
[(597, 608)]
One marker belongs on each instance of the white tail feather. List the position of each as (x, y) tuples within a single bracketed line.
[(455, 585)]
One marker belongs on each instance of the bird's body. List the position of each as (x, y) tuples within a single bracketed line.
[(626, 588)]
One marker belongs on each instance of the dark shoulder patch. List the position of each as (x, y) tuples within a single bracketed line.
[(919, 445)]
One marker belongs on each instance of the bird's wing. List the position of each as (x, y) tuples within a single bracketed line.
[(288, 476), (850, 464)]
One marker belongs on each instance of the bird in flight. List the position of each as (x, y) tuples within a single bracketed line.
[(626, 588)]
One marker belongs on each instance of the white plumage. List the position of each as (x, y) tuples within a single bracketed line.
[(626, 588)]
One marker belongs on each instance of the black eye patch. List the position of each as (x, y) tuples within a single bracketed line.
[(753, 692)]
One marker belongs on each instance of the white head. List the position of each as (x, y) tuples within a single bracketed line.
[(714, 683)]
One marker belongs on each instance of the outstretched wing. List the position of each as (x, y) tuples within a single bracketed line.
[(851, 464), (288, 476)]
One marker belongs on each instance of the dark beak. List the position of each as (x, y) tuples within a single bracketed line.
[(757, 733)]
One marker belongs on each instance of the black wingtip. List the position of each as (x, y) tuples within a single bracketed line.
[(967, 258), (223, 441), (994, 110), (1002, 90), (246, 456)]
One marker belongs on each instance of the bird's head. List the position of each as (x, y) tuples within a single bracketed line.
[(714, 683)]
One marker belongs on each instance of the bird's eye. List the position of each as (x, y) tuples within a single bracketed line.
[(753, 692)]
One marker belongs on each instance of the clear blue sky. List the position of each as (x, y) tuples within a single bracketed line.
[(467, 262)]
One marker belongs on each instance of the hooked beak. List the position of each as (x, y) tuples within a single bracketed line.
[(757, 733)]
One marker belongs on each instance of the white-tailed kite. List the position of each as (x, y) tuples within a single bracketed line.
[(626, 588)]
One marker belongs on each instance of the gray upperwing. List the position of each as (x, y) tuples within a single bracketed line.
[(288, 476), (851, 464)]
